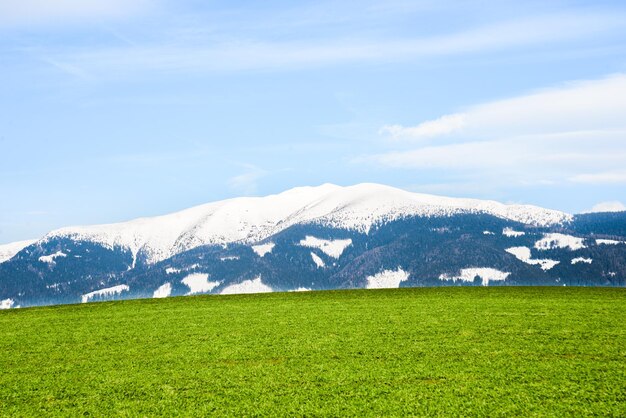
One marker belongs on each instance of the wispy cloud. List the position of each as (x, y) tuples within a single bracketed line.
[(36, 213), (331, 13), (589, 106), (158, 158), (612, 206), (246, 183), (603, 177), (244, 54), (444, 125), (33, 12), (68, 69), (573, 133)]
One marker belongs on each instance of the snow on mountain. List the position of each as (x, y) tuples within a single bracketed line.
[(229, 258), (263, 249), (50, 258), (332, 248), (253, 219), (7, 303), (486, 274), (551, 241), (609, 242), (545, 263), (247, 286), (581, 260), (509, 232), (199, 283), (109, 291), (523, 254), (387, 279), (163, 291), (317, 260), (8, 251)]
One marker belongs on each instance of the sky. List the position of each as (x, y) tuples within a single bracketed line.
[(117, 109)]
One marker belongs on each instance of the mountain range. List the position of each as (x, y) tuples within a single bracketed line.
[(317, 238)]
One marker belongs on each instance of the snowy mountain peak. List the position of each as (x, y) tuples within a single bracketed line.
[(253, 219)]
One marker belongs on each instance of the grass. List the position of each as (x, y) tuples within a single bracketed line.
[(441, 351)]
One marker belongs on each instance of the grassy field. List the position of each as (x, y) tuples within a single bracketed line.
[(443, 351)]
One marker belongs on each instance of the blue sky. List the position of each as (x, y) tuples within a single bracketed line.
[(114, 109)]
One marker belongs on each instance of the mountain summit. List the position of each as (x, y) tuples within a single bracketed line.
[(253, 219), (316, 238)]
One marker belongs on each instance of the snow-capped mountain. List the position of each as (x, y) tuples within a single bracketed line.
[(316, 238), (253, 219)]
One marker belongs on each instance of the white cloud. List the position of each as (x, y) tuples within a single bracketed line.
[(613, 206), (28, 12), (605, 177), (552, 135), (236, 54), (566, 152), (588, 106), (444, 125)]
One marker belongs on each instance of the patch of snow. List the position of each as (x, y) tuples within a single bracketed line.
[(109, 291), (523, 254), (301, 289), (250, 220), (387, 279), (172, 270), (545, 263), (609, 242), (163, 291), (485, 273), (551, 241), (50, 258), (229, 258), (263, 249), (510, 232), (7, 304), (488, 233), (247, 286), (8, 251), (332, 248), (317, 260), (199, 283), (581, 260)]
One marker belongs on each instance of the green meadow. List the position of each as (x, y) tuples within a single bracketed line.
[(498, 351)]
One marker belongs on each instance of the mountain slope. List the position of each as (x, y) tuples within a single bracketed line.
[(8, 251)]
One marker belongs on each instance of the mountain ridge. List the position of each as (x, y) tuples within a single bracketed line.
[(252, 219)]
